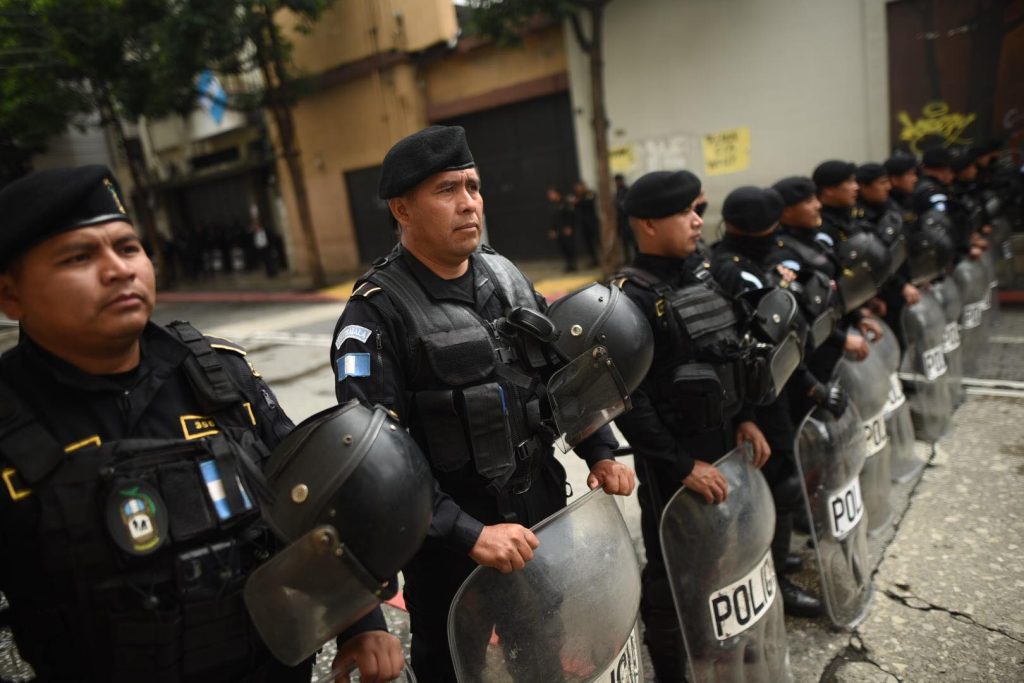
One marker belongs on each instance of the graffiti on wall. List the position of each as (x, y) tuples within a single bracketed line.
[(936, 122)]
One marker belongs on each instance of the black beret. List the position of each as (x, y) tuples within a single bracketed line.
[(833, 172), (937, 157), (662, 193), (43, 204), (898, 164), (415, 158), (962, 158), (752, 209), (794, 189), (869, 173)]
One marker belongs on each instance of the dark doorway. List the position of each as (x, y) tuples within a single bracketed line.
[(375, 233), (520, 150)]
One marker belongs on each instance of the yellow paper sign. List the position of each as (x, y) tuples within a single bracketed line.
[(622, 159), (726, 151)]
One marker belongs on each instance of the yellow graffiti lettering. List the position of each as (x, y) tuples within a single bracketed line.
[(937, 122)]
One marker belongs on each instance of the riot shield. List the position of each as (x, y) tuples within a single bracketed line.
[(569, 615), (973, 282), (867, 383), (924, 368), (830, 454), (898, 424), (723, 581), (947, 292)]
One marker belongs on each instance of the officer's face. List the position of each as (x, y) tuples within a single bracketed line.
[(805, 214), (676, 235), (877, 191), (904, 182), (843, 194), (90, 289), (441, 217)]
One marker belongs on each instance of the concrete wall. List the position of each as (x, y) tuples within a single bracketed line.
[(807, 77)]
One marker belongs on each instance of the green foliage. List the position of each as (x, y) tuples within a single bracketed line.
[(504, 20), (62, 58)]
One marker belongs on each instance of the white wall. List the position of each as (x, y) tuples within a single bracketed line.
[(76, 148), (808, 77)]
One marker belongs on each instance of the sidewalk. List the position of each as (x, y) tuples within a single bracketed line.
[(547, 277)]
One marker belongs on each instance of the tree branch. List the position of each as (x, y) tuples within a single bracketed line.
[(577, 29)]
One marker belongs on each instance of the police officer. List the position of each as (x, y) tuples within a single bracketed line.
[(836, 184), (740, 263), (881, 215), (427, 334), (902, 170), (933, 194), (678, 426), (130, 456), (801, 245)]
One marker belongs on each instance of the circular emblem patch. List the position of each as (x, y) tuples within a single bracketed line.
[(136, 518)]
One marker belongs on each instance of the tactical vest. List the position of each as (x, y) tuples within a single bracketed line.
[(145, 542), (706, 386), (816, 258), (475, 385)]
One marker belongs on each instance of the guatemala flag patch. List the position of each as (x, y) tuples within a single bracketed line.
[(354, 365)]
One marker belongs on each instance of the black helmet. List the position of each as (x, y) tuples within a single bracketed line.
[(930, 250), (890, 230), (864, 266), (776, 334), (352, 494), (608, 346)]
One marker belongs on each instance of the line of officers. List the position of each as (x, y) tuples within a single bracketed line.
[(161, 518)]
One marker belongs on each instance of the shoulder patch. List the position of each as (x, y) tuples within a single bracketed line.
[(365, 290), (226, 345)]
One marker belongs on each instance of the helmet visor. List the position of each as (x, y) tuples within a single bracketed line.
[(307, 594), (585, 395)]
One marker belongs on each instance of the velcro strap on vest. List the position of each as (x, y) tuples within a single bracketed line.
[(206, 373), (645, 279), (32, 451)]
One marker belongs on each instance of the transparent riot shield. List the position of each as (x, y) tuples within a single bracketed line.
[(867, 382), (723, 581), (973, 282), (991, 311), (830, 453), (924, 368), (947, 291), (904, 464), (569, 615)]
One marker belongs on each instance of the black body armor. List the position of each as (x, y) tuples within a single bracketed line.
[(706, 387), (475, 384), (145, 542)]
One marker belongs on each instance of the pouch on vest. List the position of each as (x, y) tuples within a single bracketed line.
[(732, 375), (446, 442), (490, 436), (460, 357), (698, 395)]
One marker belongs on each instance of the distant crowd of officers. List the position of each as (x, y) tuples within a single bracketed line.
[(136, 457)]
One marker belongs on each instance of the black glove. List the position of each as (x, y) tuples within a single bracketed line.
[(831, 397)]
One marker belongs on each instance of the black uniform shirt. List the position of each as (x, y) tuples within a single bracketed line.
[(155, 400), (371, 324), (838, 224)]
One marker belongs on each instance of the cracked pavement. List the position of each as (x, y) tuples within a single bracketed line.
[(949, 584)]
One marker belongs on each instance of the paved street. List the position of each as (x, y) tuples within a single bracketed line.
[(949, 582)]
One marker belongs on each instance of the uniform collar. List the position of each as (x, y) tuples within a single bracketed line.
[(668, 268), (159, 352), (437, 287)]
